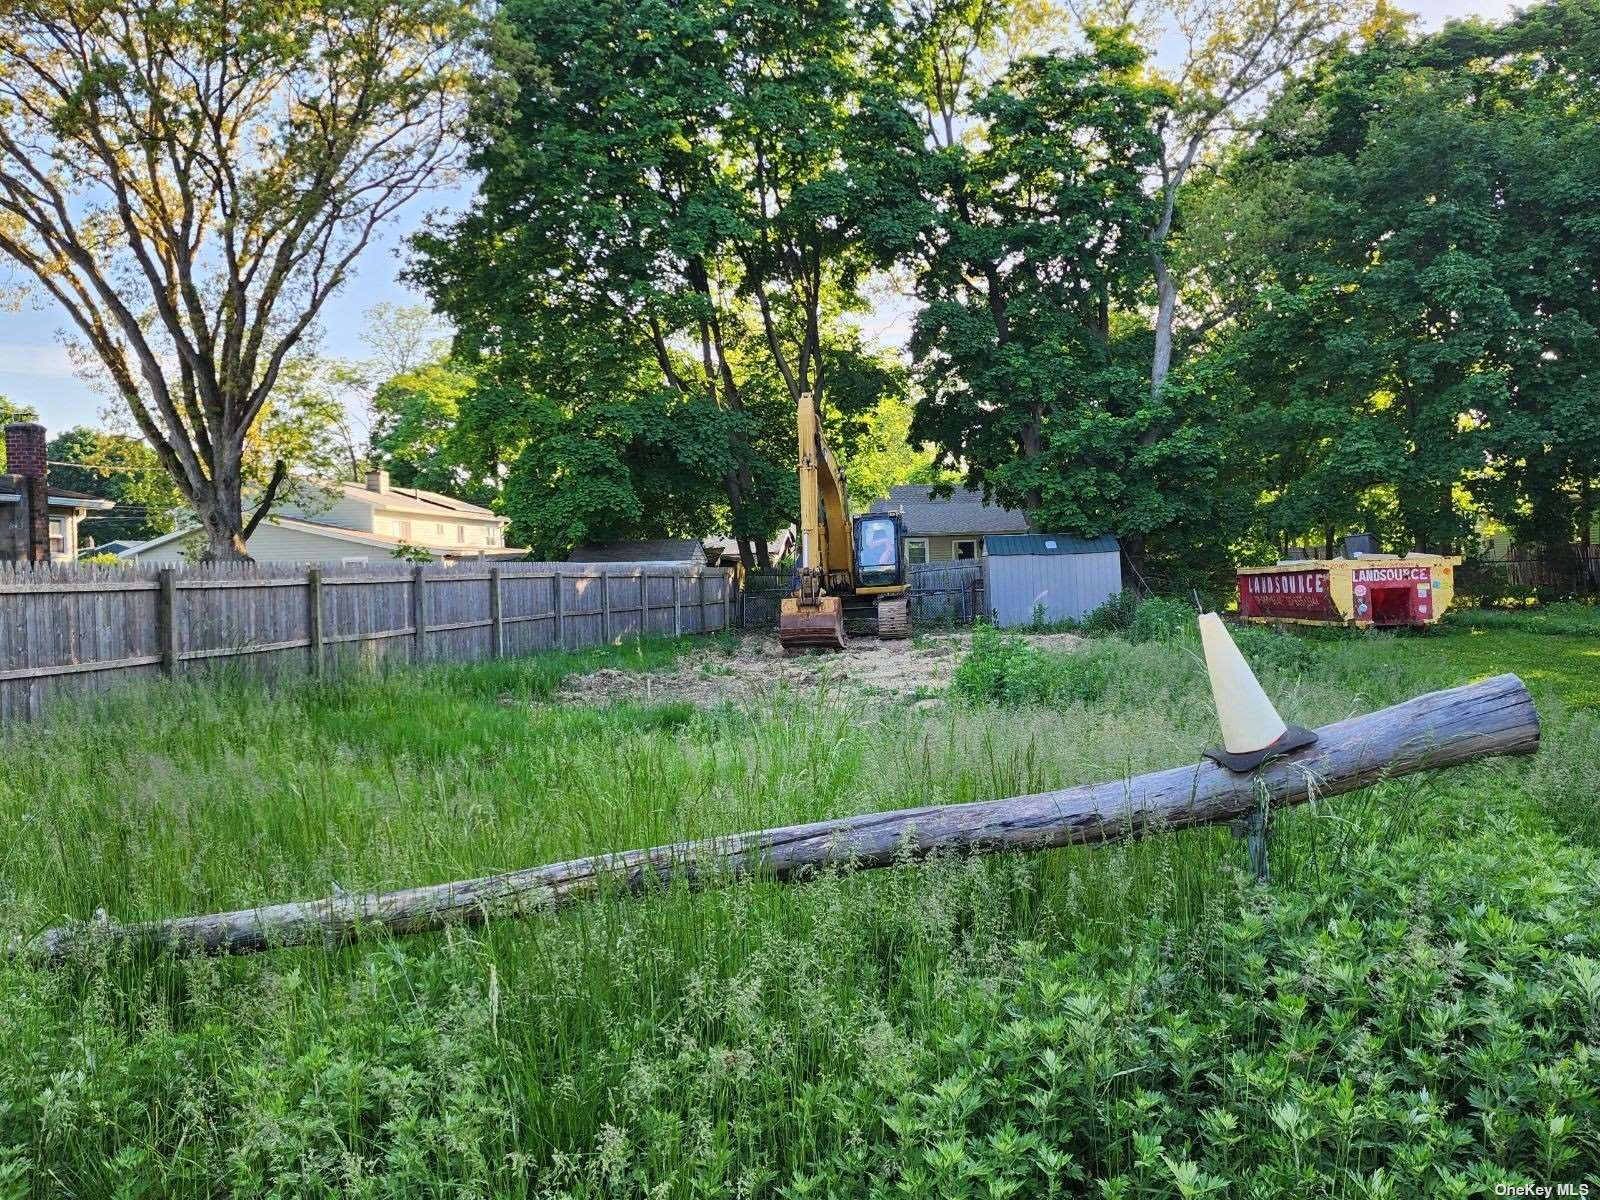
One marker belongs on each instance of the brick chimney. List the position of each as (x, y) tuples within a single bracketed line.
[(377, 480), (25, 458)]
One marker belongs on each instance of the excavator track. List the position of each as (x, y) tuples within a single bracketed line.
[(894, 618)]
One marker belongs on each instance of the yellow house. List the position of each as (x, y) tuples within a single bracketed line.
[(950, 529), (361, 522)]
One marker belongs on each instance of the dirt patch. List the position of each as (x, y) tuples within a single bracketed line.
[(916, 668)]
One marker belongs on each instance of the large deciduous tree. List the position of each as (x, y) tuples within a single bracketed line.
[(192, 182), (1413, 248), (1021, 210), (664, 215)]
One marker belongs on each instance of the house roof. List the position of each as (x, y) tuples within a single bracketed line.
[(339, 534), (963, 512), (643, 550), (65, 498), (416, 500), (727, 545), (1049, 543)]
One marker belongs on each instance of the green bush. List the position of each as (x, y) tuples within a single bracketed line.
[(1160, 619), (1006, 669), (1268, 649), (1115, 615)]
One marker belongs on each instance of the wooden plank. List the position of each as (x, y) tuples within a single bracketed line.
[(677, 605), (559, 589), (497, 624), (167, 621), (89, 587), (1441, 729), (80, 668), (244, 650), (419, 611), (220, 585), (314, 618), (605, 607), (409, 631)]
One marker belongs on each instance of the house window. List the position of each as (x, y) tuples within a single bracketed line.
[(405, 529), (966, 550), (461, 534), (916, 551), (438, 528), (58, 537)]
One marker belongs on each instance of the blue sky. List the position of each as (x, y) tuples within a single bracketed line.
[(35, 368)]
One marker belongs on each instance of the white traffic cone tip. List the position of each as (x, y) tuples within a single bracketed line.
[(1249, 721)]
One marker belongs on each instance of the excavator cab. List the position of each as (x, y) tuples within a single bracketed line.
[(880, 551)]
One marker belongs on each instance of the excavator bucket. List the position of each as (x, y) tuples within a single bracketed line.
[(820, 624)]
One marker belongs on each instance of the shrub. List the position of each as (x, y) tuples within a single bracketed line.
[(1006, 669), (1160, 619), (1267, 649), (1115, 615)]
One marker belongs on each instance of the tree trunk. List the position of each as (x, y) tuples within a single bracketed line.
[(221, 515), (1166, 313)]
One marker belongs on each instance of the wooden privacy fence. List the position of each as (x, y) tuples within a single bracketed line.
[(946, 593), (1549, 571), (943, 593), (85, 627)]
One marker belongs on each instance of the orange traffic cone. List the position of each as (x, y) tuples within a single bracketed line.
[(1252, 730)]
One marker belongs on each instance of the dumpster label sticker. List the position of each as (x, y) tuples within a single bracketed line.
[(1393, 575), (1286, 594)]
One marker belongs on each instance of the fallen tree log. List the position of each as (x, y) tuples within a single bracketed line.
[(1440, 729)]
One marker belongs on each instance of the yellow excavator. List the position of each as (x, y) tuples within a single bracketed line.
[(855, 566)]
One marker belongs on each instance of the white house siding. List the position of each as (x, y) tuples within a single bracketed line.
[(274, 544), (1068, 586), (433, 527)]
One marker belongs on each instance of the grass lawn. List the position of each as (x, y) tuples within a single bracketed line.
[(1411, 1007)]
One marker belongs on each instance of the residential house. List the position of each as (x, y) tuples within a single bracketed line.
[(722, 549), (949, 529), (362, 522), (38, 523)]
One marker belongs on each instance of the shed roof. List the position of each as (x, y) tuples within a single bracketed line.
[(1050, 543), (965, 511), (679, 550)]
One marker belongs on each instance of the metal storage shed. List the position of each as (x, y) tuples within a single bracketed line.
[(1066, 577)]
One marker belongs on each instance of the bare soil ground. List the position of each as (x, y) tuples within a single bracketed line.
[(915, 668)]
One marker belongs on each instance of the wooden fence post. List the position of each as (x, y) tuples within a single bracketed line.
[(677, 605), (314, 618), (497, 624), (560, 643), (700, 597), (605, 606), (419, 611), (167, 620)]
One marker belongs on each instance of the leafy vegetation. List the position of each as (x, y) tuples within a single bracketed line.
[(1408, 1008)]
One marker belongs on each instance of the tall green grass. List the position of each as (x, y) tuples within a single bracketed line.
[(1404, 1009)]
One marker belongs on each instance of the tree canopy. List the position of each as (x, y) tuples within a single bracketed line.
[(189, 184)]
